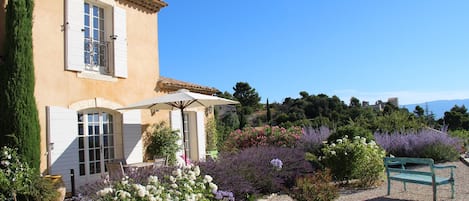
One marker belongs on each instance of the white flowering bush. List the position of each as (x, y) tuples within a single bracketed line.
[(20, 182), (183, 184), (354, 159)]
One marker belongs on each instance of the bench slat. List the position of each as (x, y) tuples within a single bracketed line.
[(407, 171), (420, 179)]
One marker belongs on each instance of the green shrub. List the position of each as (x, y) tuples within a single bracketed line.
[(227, 124), (44, 189), (351, 131), (440, 152), (316, 187), (162, 142), (212, 134), (355, 159)]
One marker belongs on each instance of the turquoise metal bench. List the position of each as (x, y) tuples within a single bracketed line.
[(396, 170)]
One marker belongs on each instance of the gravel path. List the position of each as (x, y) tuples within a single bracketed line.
[(417, 192), (414, 191)]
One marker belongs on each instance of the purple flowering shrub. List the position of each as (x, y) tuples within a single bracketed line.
[(265, 136), (312, 139), (425, 143), (257, 170)]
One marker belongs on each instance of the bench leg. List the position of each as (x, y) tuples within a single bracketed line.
[(452, 190), (434, 192), (405, 186), (389, 186)]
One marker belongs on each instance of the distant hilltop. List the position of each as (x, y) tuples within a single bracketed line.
[(439, 107)]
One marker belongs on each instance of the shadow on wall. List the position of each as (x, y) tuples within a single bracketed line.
[(65, 156), (62, 163)]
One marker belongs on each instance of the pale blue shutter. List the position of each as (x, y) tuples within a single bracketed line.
[(74, 36), (62, 128), (120, 43), (132, 136), (201, 135)]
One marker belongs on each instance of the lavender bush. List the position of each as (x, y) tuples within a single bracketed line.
[(424, 143), (250, 172), (312, 139)]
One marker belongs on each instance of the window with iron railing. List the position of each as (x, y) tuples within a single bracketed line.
[(96, 55), (96, 48)]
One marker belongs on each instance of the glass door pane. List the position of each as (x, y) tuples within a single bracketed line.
[(96, 142)]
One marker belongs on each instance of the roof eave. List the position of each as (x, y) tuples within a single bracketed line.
[(153, 6)]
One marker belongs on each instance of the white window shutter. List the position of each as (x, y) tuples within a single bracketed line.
[(132, 136), (201, 135), (74, 36), (120, 43), (176, 124), (62, 128)]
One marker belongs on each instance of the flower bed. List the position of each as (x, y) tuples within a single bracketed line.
[(182, 184)]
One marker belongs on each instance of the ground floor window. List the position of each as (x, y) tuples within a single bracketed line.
[(95, 141)]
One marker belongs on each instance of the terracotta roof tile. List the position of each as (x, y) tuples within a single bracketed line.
[(169, 84)]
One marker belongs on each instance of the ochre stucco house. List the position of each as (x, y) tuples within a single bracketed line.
[(92, 57)]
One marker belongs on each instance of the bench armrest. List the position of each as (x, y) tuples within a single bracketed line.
[(395, 163), (444, 166)]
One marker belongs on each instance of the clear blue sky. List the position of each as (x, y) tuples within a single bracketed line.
[(416, 50)]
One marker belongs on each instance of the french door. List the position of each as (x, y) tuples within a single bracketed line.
[(95, 142)]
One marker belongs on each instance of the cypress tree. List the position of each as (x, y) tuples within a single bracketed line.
[(19, 124), (269, 115)]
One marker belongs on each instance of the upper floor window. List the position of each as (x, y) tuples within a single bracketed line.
[(96, 45), (96, 37)]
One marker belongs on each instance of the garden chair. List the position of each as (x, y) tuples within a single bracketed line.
[(160, 162), (115, 171)]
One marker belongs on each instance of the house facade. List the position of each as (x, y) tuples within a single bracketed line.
[(91, 58)]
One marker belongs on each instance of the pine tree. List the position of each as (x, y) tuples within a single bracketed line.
[(19, 124)]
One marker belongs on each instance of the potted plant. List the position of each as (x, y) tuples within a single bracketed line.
[(162, 142)]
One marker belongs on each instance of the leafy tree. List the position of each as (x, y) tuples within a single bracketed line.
[(418, 111), (457, 118), (354, 102), (389, 108), (225, 94), (247, 97), (19, 125), (397, 121), (249, 100)]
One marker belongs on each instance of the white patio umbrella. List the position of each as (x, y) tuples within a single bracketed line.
[(180, 99)]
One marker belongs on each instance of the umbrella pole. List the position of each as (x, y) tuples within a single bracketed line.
[(183, 137)]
